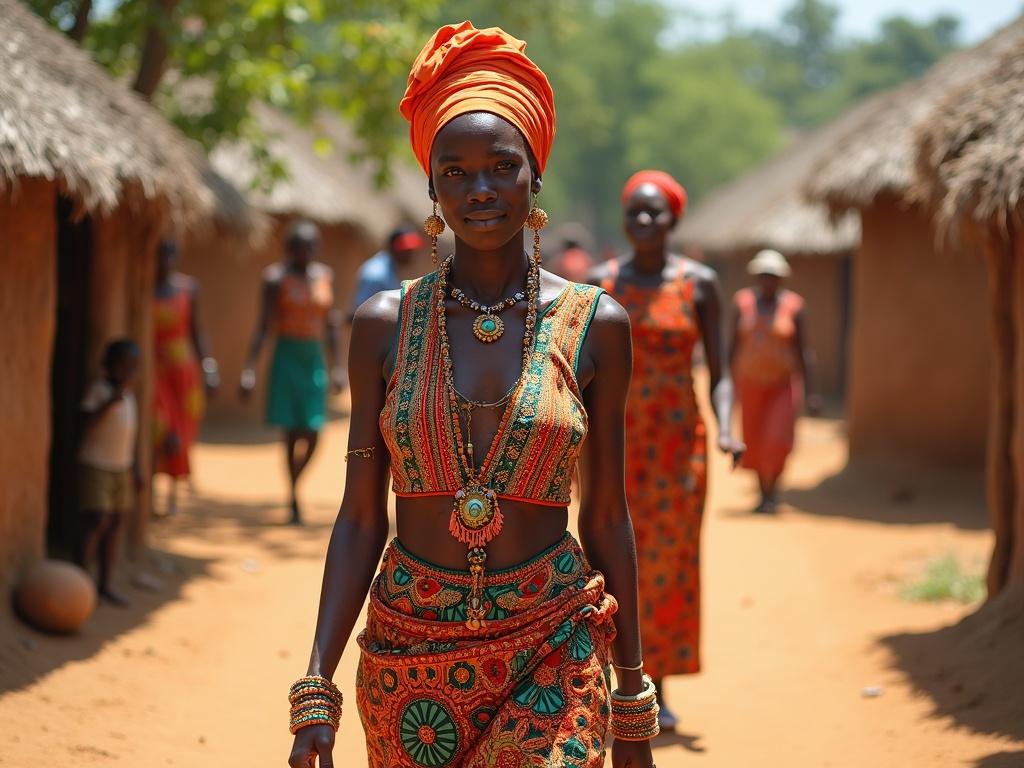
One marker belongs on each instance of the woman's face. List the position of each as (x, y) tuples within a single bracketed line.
[(648, 216), (769, 285), (482, 179)]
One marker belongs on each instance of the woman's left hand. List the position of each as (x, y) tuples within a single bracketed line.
[(632, 754), (729, 444)]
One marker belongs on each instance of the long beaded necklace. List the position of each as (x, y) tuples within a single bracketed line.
[(476, 516), (488, 326)]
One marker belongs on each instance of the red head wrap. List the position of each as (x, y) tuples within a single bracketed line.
[(672, 189), (463, 69)]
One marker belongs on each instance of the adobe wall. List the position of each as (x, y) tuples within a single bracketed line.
[(28, 252), (919, 344)]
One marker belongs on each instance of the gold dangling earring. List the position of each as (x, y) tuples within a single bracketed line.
[(434, 225), (536, 220)]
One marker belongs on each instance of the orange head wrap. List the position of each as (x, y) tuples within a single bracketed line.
[(463, 69), (672, 189)]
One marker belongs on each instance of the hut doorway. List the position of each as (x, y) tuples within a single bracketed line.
[(69, 372)]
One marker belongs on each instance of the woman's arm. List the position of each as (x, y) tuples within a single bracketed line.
[(709, 315), (268, 298), (361, 528), (211, 375), (805, 359), (606, 531)]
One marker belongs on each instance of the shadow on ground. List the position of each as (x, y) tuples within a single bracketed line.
[(972, 671), (688, 741), (27, 654), (904, 495), (1001, 760), (259, 525)]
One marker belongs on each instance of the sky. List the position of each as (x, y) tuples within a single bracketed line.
[(859, 18)]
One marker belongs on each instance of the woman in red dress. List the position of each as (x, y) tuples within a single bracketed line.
[(772, 366), (178, 382), (673, 302)]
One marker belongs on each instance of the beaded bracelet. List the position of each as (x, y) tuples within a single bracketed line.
[(635, 717), (314, 700)]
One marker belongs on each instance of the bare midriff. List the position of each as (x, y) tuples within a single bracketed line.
[(528, 529)]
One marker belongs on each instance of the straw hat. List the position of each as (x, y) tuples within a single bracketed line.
[(769, 262)]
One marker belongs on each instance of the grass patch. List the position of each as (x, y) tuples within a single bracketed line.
[(943, 579)]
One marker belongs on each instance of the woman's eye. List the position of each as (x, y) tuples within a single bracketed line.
[(506, 165), (452, 172)]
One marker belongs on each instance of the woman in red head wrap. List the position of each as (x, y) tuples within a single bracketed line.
[(673, 303), (489, 631)]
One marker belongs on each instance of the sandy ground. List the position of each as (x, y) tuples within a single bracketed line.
[(802, 614)]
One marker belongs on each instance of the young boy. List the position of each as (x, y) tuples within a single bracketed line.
[(108, 462)]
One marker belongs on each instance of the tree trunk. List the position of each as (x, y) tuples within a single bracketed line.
[(155, 48), (1001, 481), (77, 32)]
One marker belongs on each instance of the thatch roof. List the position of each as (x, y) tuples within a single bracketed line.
[(766, 207), (970, 157), (62, 117), (878, 157), (332, 188)]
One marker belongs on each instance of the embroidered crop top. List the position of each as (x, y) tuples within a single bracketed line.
[(541, 433)]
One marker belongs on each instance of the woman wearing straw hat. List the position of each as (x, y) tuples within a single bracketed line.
[(772, 366)]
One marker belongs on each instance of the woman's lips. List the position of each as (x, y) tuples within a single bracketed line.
[(483, 220)]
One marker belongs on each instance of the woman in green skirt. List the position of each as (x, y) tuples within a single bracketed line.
[(298, 303)]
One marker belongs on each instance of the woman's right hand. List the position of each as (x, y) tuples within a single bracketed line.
[(312, 742)]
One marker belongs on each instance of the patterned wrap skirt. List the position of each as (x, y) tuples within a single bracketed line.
[(531, 689)]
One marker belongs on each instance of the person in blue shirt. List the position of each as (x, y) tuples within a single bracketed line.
[(385, 270), (381, 272)]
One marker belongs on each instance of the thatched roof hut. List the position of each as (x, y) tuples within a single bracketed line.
[(970, 150), (919, 384), (766, 208), (878, 157), (337, 189), (970, 163), (331, 188), (63, 118), (90, 177)]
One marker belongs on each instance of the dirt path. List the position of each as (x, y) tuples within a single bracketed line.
[(798, 611)]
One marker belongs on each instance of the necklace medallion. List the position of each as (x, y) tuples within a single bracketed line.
[(488, 328)]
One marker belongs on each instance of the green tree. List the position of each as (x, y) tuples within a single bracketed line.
[(351, 56), (904, 49)]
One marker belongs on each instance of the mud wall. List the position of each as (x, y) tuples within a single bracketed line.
[(919, 344), (28, 253)]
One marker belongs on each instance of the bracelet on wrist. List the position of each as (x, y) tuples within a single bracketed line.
[(314, 700), (635, 716)]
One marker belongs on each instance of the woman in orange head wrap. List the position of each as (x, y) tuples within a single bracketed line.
[(673, 302), (489, 630)]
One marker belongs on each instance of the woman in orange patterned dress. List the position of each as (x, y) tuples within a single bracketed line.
[(673, 302), (178, 382), (772, 366)]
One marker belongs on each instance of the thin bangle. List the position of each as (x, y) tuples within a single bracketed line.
[(637, 668)]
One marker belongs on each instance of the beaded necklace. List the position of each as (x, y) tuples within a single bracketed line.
[(487, 327), (476, 516)]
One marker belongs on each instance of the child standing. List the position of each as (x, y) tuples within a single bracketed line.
[(108, 462)]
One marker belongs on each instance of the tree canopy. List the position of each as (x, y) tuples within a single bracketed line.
[(628, 94)]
